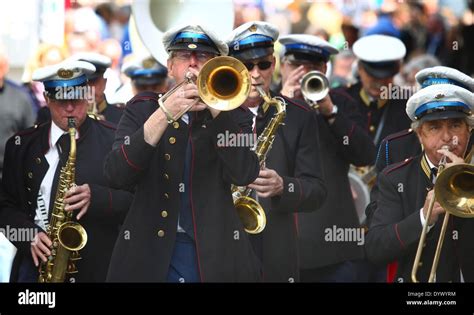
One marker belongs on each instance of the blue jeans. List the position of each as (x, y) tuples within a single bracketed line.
[(183, 266)]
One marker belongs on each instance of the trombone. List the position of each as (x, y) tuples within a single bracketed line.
[(223, 84), (454, 190), (314, 87)]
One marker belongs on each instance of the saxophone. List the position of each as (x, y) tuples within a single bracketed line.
[(250, 212), (67, 236)]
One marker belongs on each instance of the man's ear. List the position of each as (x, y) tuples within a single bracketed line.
[(169, 65), (273, 63), (418, 132)]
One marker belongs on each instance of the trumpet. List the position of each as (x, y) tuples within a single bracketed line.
[(453, 190), (314, 87), (223, 84)]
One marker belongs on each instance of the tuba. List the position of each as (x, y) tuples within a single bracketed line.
[(151, 18), (67, 236), (314, 87), (250, 212), (454, 191)]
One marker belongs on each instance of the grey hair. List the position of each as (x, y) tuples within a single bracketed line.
[(420, 62), (469, 120)]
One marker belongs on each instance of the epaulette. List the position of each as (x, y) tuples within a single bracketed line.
[(107, 124), (399, 134), (144, 96), (301, 105), (29, 130), (384, 143), (398, 165)]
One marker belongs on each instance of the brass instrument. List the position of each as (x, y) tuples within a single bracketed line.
[(314, 87), (454, 191), (361, 181), (151, 18), (67, 236), (223, 84), (249, 210)]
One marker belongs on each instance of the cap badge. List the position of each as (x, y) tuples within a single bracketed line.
[(439, 96), (192, 46), (253, 28), (65, 74), (148, 63)]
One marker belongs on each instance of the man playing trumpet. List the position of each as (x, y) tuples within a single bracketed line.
[(343, 142)]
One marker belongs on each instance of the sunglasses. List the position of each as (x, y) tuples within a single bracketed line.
[(262, 65)]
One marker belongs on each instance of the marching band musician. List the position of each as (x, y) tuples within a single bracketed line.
[(290, 181), (343, 141), (146, 74), (442, 116), (403, 144), (33, 159), (182, 224), (98, 105), (381, 103)]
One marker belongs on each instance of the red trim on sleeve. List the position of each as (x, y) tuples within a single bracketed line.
[(128, 161), (392, 271), (295, 215), (398, 236), (301, 189)]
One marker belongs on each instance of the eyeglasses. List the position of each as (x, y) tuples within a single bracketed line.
[(262, 65), (186, 55)]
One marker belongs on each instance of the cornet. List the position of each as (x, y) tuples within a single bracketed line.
[(314, 87)]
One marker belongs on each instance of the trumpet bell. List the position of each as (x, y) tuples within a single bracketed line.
[(223, 83), (454, 190), (251, 214), (314, 86)]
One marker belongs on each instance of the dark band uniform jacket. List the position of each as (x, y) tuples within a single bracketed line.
[(25, 167), (223, 250), (295, 157), (342, 143), (391, 112), (395, 229)]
